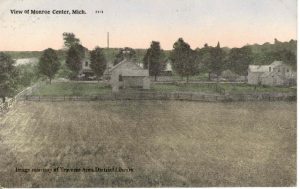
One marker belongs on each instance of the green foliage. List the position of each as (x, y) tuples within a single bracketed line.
[(212, 59), (154, 59), (8, 76), (125, 53), (285, 56), (73, 60), (217, 60), (70, 40), (49, 63), (239, 60), (98, 62), (184, 59), (267, 53), (23, 54), (28, 74)]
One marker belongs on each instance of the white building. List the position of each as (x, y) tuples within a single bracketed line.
[(128, 74), (276, 74)]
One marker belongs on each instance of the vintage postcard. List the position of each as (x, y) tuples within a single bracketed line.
[(148, 93)]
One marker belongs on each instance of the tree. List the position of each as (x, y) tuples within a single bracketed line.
[(8, 76), (204, 59), (98, 62), (153, 59), (73, 60), (286, 56), (183, 59), (125, 53), (70, 40), (239, 60), (49, 63), (216, 60)]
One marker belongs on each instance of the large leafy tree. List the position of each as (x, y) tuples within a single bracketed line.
[(153, 59), (73, 60), (8, 76), (49, 63), (239, 60), (183, 59), (204, 59), (125, 53), (98, 62), (216, 60), (70, 40)]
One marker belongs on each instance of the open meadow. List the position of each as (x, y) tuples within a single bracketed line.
[(155, 143), (94, 89)]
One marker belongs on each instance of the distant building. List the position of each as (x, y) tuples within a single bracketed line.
[(23, 61), (276, 74), (167, 70), (86, 71), (128, 74)]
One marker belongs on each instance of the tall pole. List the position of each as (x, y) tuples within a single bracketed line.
[(108, 40)]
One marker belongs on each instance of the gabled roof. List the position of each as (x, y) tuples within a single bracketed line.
[(276, 63), (123, 62)]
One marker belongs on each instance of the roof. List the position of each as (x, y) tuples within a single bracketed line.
[(259, 68), (22, 61), (135, 73), (122, 62), (276, 63), (272, 74)]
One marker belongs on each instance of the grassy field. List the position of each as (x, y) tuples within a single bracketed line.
[(94, 89), (170, 143), (73, 89), (229, 88)]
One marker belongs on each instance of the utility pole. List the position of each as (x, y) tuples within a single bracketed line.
[(108, 40)]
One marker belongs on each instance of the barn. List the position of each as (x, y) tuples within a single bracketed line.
[(128, 74)]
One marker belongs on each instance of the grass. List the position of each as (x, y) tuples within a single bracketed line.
[(94, 89), (73, 89), (246, 88), (211, 88), (169, 143)]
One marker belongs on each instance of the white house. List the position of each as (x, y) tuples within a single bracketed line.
[(276, 74)]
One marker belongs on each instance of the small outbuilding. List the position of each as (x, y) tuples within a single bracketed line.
[(128, 74)]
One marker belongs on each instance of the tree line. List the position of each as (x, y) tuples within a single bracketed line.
[(185, 61)]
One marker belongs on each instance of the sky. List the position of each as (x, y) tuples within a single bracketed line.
[(135, 23)]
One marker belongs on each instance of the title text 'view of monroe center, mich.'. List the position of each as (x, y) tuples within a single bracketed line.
[(54, 11)]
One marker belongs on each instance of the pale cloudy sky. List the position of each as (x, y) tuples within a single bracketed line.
[(135, 23)]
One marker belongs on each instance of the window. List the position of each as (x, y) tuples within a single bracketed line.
[(120, 78), (287, 70), (86, 63), (278, 69), (270, 69)]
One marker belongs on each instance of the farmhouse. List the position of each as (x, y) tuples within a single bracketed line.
[(128, 74), (276, 74)]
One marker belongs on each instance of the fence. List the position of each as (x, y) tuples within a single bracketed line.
[(10, 102), (188, 96)]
